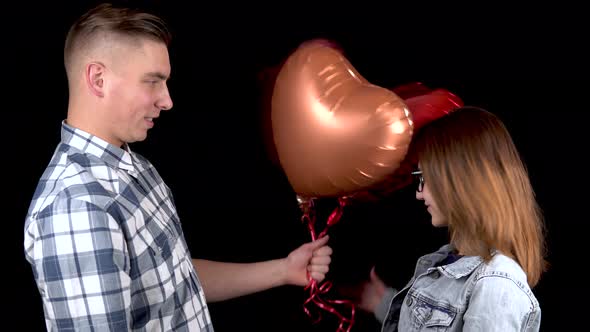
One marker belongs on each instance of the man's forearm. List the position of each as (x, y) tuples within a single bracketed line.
[(222, 281)]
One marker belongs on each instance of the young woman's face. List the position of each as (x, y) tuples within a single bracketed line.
[(423, 194)]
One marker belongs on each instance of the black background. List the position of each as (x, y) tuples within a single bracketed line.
[(525, 64)]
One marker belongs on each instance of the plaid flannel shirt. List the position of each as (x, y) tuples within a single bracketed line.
[(106, 245)]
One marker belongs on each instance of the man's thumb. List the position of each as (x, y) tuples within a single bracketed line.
[(319, 242)]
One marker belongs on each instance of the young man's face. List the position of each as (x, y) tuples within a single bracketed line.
[(137, 91)]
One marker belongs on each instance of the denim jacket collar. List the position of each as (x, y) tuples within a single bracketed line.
[(464, 266), (460, 268)]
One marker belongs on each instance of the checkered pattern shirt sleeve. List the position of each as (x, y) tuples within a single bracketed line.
[(105, 244), (82, 265)]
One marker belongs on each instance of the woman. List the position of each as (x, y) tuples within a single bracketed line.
[(472, 181)]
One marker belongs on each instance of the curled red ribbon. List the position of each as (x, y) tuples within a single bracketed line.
[(316, 290)]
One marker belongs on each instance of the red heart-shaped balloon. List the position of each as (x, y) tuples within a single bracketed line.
[(431, 105), (335, 133)]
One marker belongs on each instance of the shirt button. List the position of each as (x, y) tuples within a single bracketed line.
[(409, 301), (435, 274)]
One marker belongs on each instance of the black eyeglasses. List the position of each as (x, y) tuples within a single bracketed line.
[(418, 174)]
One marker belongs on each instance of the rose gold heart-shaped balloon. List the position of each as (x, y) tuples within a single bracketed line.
[(334, 132), (426, 105)]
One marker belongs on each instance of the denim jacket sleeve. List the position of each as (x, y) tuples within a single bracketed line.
[(501, 303)]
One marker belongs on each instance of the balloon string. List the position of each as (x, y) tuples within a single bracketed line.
[(345, 323)]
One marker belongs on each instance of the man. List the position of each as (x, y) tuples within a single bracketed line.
[(102, 233)]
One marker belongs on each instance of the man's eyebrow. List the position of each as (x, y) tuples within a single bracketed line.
[(157, 75)]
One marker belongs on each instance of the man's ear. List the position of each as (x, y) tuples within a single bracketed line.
[(95, 75)]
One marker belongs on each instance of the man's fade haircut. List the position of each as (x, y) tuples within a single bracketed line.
[(109, 19)]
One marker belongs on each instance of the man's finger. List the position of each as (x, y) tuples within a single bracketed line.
[(323, 260), (323, 251), (318, 268), (317, 276)]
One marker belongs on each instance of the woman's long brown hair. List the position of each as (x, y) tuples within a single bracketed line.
[(482, 187)]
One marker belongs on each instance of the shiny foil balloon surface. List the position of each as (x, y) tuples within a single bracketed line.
[(334, 132), (426, 105)]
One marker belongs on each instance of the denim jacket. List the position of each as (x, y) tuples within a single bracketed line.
[(467, 294)]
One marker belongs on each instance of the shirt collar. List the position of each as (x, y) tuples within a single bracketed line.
[(113, 156)]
